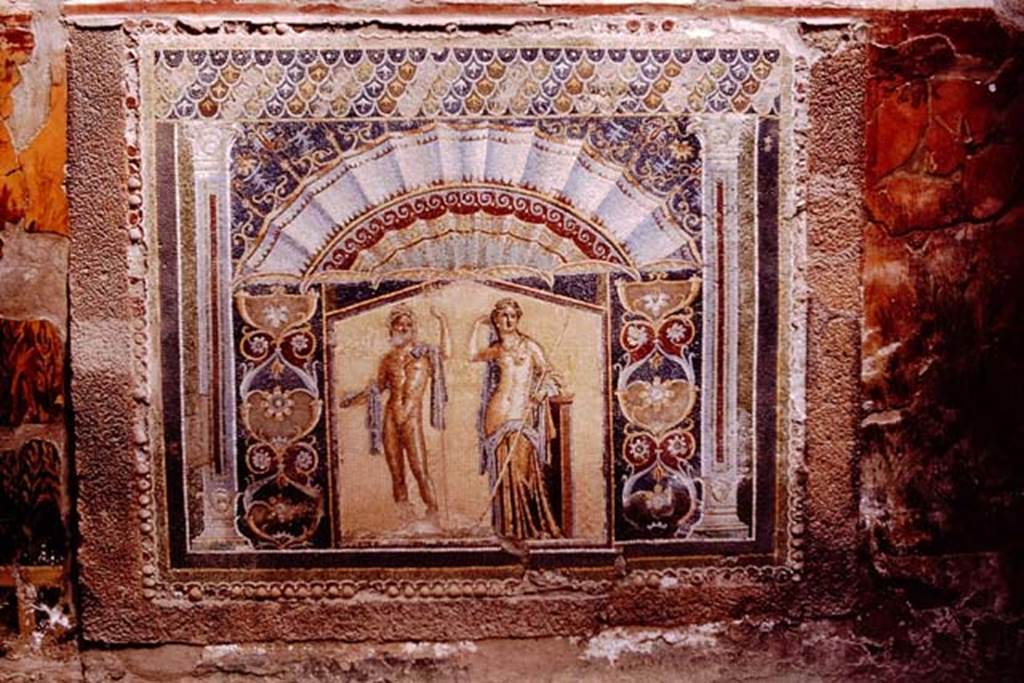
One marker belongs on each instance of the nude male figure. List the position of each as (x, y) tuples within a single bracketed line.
[(405, 372)]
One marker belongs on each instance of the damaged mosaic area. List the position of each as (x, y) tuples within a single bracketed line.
[(471, 299)]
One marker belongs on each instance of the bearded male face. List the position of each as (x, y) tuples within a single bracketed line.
[(403, 329)]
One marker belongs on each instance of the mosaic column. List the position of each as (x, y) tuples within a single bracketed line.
[(719, 432), (211, 157)]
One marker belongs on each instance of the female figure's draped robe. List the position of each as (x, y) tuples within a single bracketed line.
[(514, 444)]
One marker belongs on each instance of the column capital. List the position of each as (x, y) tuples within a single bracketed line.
[(722, 135), (211, 145)]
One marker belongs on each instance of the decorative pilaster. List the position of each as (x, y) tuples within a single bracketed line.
[(211, 158), (719, 434)]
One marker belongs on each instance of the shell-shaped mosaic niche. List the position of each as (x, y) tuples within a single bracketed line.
[(448, 306), (553, 196)]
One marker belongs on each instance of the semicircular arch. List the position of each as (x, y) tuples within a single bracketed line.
[(423, 213)]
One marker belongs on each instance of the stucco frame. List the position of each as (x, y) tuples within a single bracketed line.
[(111, 351)]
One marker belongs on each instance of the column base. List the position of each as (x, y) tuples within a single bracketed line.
[(219, 530), (220, 539), (721, 524)]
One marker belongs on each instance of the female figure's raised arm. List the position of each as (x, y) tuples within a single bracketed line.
[(480, 347)]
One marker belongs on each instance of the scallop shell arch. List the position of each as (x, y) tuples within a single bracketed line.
[(477, 196)]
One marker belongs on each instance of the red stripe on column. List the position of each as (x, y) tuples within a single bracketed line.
[(720, 322)]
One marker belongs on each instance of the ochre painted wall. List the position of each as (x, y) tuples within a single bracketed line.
[(34, 555)]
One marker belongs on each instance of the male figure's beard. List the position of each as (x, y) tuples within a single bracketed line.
[(401, 339)]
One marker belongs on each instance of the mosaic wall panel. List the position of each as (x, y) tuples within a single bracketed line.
[(436, 305)]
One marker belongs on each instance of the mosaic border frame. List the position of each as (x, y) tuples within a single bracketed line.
[(643, 558)]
